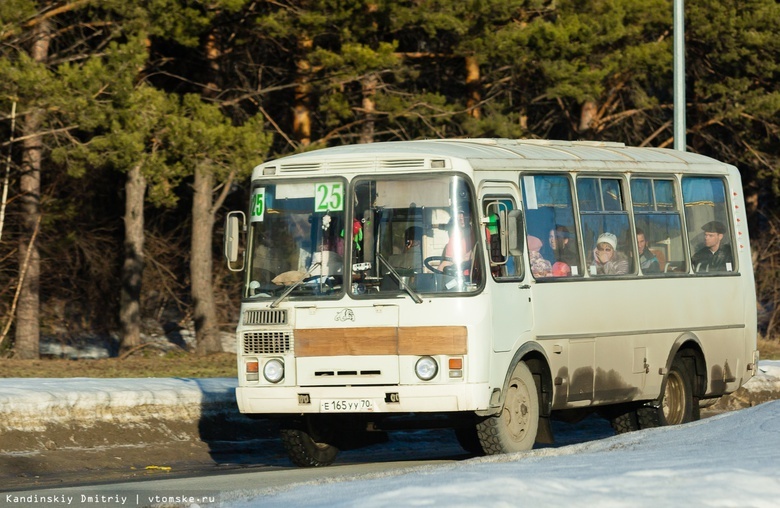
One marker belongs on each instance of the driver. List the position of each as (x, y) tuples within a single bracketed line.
[(461, 242)]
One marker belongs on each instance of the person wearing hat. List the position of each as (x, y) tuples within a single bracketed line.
[(606, 259), (715, 256), (540, 267), (561, 269)]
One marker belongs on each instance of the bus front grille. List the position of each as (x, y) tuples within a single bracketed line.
[(265, 317), (259, 343)]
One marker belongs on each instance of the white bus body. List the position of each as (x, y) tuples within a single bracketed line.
[(527, 322)]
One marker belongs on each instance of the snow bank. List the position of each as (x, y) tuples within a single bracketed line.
[(37, 403)]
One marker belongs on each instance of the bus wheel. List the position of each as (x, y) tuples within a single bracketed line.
[(624, 421), (309, 442), (514, 428), (677, 402)]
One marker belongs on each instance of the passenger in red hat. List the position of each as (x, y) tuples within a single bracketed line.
[(561, 269)]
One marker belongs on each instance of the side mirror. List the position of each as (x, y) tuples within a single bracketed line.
[(514, 226), (235, 225)]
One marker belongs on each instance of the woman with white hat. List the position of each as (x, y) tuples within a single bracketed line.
[(606, 259)]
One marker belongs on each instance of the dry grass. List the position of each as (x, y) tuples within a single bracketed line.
[(769, 349), (171, 365)]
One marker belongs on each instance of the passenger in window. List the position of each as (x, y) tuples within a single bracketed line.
[(647, 260), (715, 256), (606, 259), (559, 242), (540, 267), (561, 269)]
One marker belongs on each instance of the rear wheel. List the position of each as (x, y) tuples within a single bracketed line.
[(624, 421), (678, 404), (309, 442), (514, 428)]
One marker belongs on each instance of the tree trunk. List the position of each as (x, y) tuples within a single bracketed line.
[(301, 112), (472, 87), (588, 115), (133, 266), (205, 313), (369, 108), (28, 326)]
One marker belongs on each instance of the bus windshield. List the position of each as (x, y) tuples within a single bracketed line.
[(414, 235), (296, 240)]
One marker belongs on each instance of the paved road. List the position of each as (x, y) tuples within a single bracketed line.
[(260, 464)]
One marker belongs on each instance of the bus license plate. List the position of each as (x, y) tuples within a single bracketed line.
[(347, 406)]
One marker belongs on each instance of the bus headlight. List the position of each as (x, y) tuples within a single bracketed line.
[(273, 370), (426, 368)]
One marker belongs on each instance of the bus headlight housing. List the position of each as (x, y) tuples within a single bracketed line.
[(426, 368), (273, 370)]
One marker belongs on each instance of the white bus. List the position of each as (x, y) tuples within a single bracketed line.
[(489, 285)]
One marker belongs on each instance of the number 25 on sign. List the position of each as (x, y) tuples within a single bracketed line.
[(257, 206), (329, 197)]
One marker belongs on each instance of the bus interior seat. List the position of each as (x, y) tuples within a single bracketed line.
[(661, 256), (674, 266)]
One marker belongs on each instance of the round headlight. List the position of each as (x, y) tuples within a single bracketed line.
[(273, 370), (426, 368)]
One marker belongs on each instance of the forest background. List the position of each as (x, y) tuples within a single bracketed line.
[(129, 127)]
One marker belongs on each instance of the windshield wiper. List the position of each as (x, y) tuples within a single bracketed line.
[(401, 283), (290, 289)]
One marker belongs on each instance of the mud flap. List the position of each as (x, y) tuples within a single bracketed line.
[(544, 434)]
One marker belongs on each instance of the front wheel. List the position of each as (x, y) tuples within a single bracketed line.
[(514, 428), (309, 442)]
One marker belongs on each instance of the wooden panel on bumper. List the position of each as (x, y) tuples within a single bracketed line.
[(408, 340)]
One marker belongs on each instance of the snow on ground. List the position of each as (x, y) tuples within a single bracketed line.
[(728, 460)]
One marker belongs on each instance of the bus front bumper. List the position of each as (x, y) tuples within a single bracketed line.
[(363, 399)]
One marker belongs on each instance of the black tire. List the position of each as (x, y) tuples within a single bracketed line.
[(514, 428), (309, 442), (469, 440), (678, 403), (625, 421)]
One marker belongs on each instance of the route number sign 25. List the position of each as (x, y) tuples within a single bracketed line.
[(329, 197)]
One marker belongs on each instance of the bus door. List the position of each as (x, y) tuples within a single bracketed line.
[(510, 294)]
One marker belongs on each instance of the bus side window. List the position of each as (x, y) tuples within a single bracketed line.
[(606, 233), (549, 213), (707, 220), (658, 226)]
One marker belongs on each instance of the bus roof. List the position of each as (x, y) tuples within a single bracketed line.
[(491, 154)]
